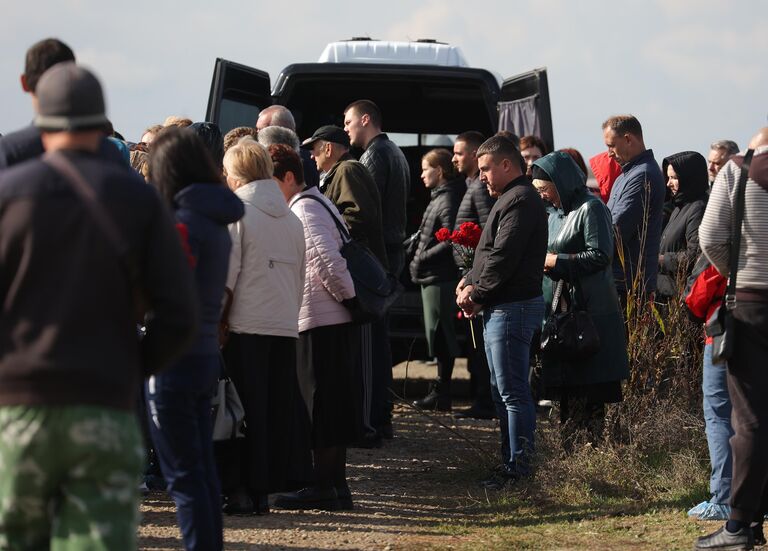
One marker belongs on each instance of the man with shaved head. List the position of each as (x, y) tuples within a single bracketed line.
[(747, 373)]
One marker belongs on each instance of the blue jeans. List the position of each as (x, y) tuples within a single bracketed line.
[(717, 416), (507, 329), (179, 409)]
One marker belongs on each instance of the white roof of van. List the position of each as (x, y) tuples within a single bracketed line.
[(382, 51)]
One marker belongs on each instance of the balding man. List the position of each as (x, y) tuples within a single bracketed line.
[(747, 373), (636, 204), (279, 115)]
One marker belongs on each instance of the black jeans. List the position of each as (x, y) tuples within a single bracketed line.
[(748, 387)]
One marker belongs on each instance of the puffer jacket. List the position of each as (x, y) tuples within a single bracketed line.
[(475, 207), (327, 281), (203, 212), (584, 244), (433, 261), (680, 237), (392, 175), (266, 265)]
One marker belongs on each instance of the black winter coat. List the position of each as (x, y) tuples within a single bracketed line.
[(433, 260), (680, 237), (475, 207)]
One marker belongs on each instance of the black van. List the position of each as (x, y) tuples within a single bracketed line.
[(426, 93)]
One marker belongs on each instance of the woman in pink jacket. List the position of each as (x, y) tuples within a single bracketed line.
[(328, 341)]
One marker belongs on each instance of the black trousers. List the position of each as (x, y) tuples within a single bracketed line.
[(748, 388)]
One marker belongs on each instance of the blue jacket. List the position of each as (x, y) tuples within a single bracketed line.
[(206, 210), (636, 204)]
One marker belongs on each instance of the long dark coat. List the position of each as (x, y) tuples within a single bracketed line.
[(584, 244)]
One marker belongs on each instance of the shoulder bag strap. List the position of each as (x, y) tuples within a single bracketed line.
[(64, 167), (556, 295), (738, 217), (345, 237)]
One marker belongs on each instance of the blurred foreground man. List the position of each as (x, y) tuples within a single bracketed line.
[(81, 238), (747, 373)]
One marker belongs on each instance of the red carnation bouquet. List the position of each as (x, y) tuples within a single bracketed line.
[(464, 241)]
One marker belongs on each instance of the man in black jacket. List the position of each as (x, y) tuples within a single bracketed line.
[(390, 171), (25, 143), (505, 285), (72, 265), (475, 207)]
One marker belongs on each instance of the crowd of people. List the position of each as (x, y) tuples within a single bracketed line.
[(136, 277)]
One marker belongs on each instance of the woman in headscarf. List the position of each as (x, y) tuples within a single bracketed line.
[(580, 253), (687, 181)]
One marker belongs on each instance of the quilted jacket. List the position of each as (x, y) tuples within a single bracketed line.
[(327, 280), (475, 207), (390, 171), (433, 261)]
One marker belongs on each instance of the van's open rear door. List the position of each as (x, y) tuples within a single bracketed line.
[(524, 107), (238, 94)]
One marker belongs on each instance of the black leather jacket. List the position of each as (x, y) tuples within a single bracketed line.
[(390, 171)]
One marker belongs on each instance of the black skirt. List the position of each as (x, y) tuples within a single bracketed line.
[(329, 385)]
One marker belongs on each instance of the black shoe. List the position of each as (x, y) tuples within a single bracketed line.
[(475, 412), (499, 477), (368, 441), (345, 498), (260, 504), (757, 535), (238, 503), (325, 499), (438, 398), (723, 540)]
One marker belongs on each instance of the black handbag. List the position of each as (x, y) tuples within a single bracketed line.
[(721, 326), (375, 288), (569, 334)]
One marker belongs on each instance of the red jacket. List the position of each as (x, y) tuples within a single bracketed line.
[(706, 294)]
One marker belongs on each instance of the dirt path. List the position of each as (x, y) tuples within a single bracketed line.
[(405, 494)]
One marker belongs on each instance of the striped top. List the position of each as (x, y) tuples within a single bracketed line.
[(715, 229)]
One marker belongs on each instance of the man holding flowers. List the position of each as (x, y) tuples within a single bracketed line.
[(503, 288)]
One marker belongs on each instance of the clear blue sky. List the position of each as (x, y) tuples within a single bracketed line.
[(691, 70)]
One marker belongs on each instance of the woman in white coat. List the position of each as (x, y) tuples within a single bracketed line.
[(328, 341), (266, 282)]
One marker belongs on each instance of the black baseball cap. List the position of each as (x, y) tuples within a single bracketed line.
[(69, 98), (329, 133)]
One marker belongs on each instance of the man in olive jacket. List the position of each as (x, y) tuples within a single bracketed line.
[(505, 285), (349, 186)]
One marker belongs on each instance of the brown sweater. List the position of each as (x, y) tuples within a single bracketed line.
[(67, 329)]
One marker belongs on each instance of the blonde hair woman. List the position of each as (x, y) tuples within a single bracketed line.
[(266, 284)]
